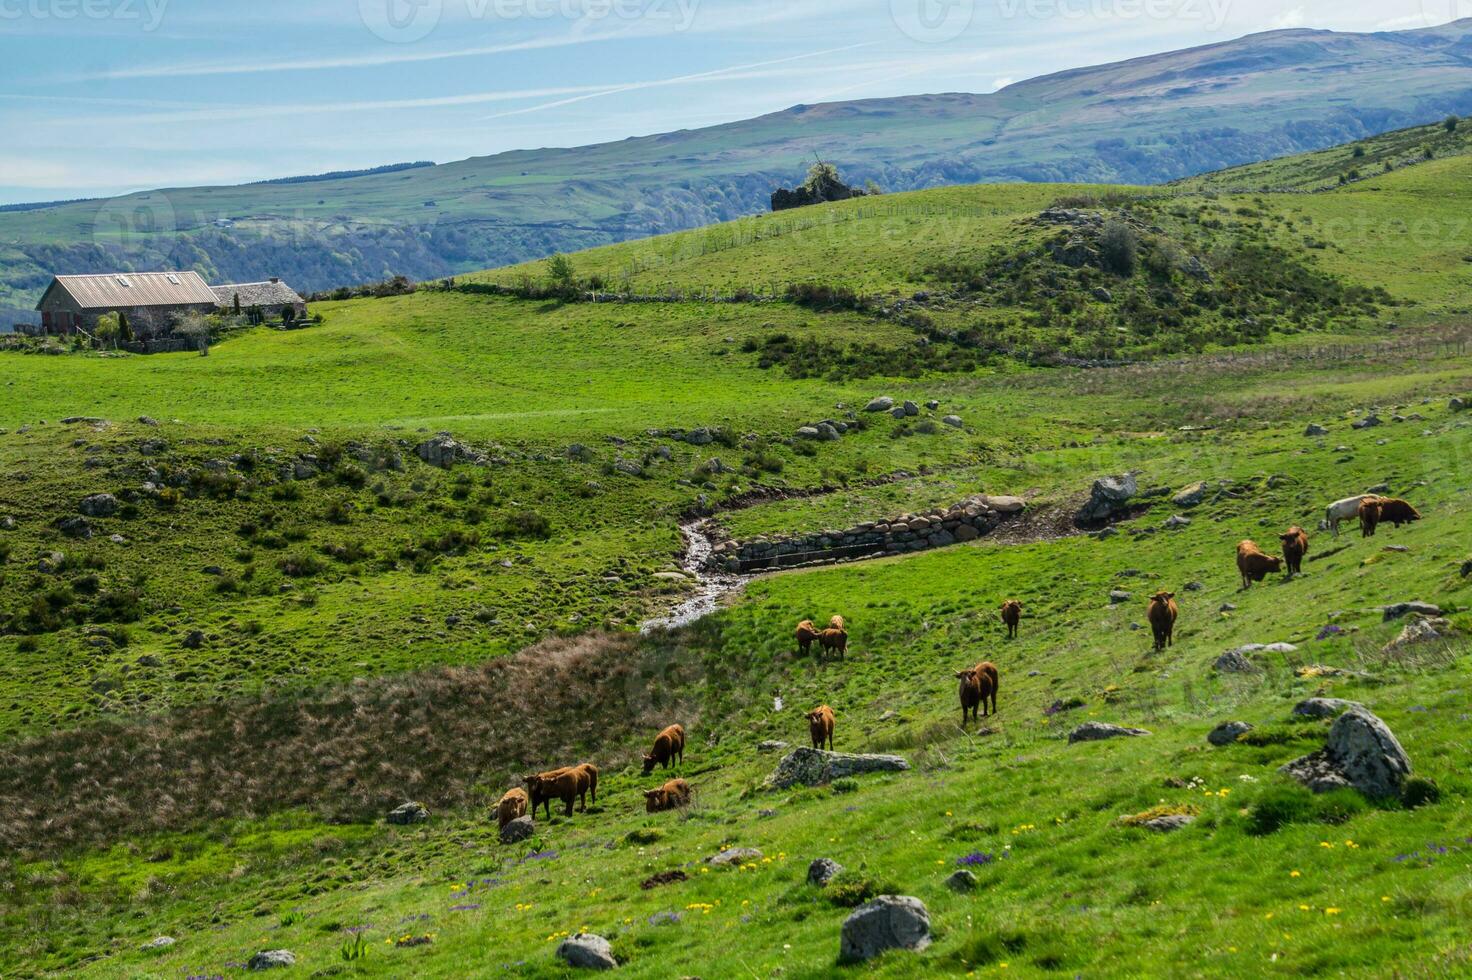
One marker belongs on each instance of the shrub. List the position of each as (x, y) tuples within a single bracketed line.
[(850, 890), (1420, 791), (1450, 124), (527, 524), (1119, 248), (1278, 806)]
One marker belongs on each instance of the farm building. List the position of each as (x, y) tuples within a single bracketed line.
[(271, 298), (151, 301)]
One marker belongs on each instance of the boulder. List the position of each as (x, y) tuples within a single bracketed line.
[(162, 942), (1103, 295), (271, 959), (911, 408), (813, 767), (699, 437), (1422, 629), (1168, 822), (1315, 430), (733, 857), (51, 562), (1116, 596), (1368, 422), (408, 813), (1323, 707), (1235, 662), (8, 523), (1006, 505), (579, 452), (822, 871), (932, 404), (443, 451), (1108, 496), (75, 527), (1458, 405), (1095, 731), (771, 745), (954, 421), (518, 830), (881, 404), (1190, 496), (962, 881), (586, 951), (1361, 752), (1400, 609), (898, 411), (828, 432), (99, 505), (628, 467), (809, 432), (888, 922), (1175, 522), (1228, 732)]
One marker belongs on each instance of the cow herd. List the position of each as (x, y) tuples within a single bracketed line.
[(978, 685)]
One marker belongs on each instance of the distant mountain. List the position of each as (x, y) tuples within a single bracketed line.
[(1146, 120)]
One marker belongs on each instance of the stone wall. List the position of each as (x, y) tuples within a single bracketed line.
[(965, 521)]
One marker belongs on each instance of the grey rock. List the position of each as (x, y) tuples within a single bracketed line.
[(1458, 405), (1176, 521), (1235, 662), (954, 421), (898, 411), (271, 959), (1421, 629), (699, 437), (1361, 752), (1095, 731), (1117, 596), (628, 467), (1226, 607), (1170, 821), (1108, 496), (1103, 295), (8, 523), (408, 813), (888, 922), (962, 880), (1315, 429), (771, 745), (193, 640), (1227, 732), (520, 829), (99, 505), (586, 951), (162, 942), (1323, 707), (911, 408), (881, 404), (149, 660), (808, 432), (1190, 496), (145, 420), (1400, 609), (75, 527), (822, 871), (442, 451), (932, 404), (734, 856), (51, 562), (828, 432), (1368, 422), (813, 767), (1006, 505), (579, 452)]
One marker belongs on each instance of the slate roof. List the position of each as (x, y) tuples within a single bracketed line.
[(124, 290), (256, 294)]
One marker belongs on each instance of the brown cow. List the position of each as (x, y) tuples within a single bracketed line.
[(834, 639), (1011, 616), (1395, 511), (1162, 615), (513, 804), (670, 796), (820, 726), (836, 623), (970, 694), (1369, 516), (668, 745), (986, 672), (1253, 564), (566, 784), (806, 634), (1295, 546)]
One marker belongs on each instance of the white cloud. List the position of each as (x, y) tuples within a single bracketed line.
[(1293, 17)]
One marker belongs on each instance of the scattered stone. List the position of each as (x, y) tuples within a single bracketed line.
[(520, 829), (1315, 430), (75, 527), (1235, 662), (1419, 608), (1095, 731), (1226, 607), (193, 640), (586, 951), (1368, 422), (1193, 587), (822, 871), (808, 432), (1228, 732), (579, 452), (962, 881), (408, 813), (1422, 629), (1323, 707), (954, 421), (1190, 496), (699, 437), (771, 745), (1166, 823), (898, 411), (162, 942), (885, 923), (51, 562), (828, 432), (911, 408), (148, 660), (1117, 596), (881, 404), (733, 856), (1457, 405), (1108, 496), (932, 404), (1361, 752), (99, 505), (145, 420), (814, 767), (443, 451), (628, 467), (1176, 521), (271, 959), (1103, 295)]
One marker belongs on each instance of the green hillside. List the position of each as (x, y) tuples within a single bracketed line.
[(1141, 121), (289, 623)]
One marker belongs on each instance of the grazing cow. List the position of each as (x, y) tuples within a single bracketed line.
[(989, 680), (806, 634), (1343, 510), (588, 773), (672, 795), (1162, 615), (668, 745), (1395, 511), (1254, 564), (970, 693), (1369, 516), (566, 784), (1011, 616), (836, 623), (513, 804), (820, 726), (834, 639), (1295, 546)]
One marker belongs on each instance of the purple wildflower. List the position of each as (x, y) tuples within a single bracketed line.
[(974, 859), (1329, 631), (467, 907)]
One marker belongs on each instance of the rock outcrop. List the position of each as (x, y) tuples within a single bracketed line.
[(1361, 752), (1109, 496), (813, 767), (1095, 731), (586, 951), (888, 922)]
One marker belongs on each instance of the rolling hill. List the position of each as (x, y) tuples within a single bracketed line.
[(1146, 120)]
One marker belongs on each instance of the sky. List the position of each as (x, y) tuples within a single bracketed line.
[(99, 97)]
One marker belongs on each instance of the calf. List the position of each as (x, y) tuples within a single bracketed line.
[(512, 805), (1011, 616), (670, 796), (806, 634), (1162, 615), (668, 746), (1295, 546), (1395, 511), (820, 726), (1253, 564), (970, 693), (1342, 510), (834, 639), (1369, 516)]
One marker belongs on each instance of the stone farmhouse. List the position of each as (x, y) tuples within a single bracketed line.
[(153, 300)]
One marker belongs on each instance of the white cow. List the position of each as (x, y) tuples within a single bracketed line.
[(1341, 510)]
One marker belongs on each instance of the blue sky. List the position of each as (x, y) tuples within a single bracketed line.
[(103, 96)]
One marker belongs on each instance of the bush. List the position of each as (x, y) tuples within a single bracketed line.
[(1420, 791), (850, 890), (1450, 124), (1278, 806), (528, 524), (1119, 248)]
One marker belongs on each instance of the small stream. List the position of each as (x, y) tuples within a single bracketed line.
[(711, 586)]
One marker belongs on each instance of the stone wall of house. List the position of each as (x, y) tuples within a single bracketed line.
[(965, 521)]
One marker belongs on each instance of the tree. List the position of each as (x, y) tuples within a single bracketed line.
[(125, 329), (288, 316), (193, 326), (1451, 123), (1359, 151), (872, 189), (1119, 247), (107, 329), (235, 304), (560, 271)]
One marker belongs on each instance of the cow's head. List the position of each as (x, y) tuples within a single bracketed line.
[(648, 764)]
